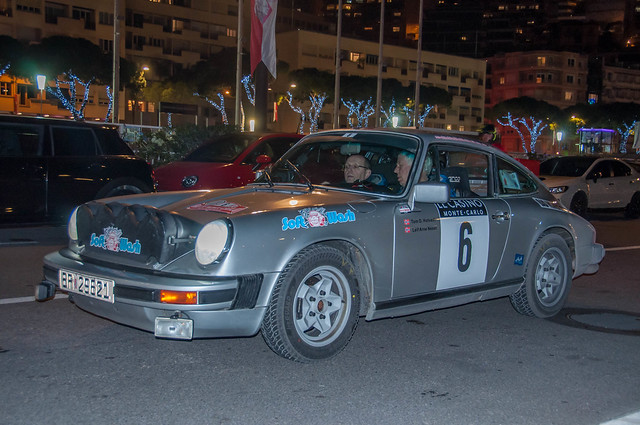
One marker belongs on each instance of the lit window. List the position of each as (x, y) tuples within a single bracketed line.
[(542, 60), (568, 95), (501, 80)]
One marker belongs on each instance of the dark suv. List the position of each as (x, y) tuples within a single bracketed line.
[(48, 166)]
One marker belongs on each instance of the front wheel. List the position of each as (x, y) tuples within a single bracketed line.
[(547, 279), (633, 208), (579, 204), (314, 306)]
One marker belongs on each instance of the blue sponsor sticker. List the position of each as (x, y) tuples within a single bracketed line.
[(519, 260), (112, 240), (316, 217)]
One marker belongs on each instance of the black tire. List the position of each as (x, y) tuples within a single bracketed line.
[(579, 204), (547, 279), (314, 306), (124, 186), (633, 208)]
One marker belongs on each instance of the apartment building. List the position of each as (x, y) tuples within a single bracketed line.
[(159, 36), (462, 77)]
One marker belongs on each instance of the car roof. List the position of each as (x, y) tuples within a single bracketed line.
[(52, 121)]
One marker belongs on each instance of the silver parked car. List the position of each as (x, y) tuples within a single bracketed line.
[(347, 224), (591, 182)]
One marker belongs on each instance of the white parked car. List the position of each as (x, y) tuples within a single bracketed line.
[(591, 182)]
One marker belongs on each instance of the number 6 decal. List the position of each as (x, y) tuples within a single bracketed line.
[(464, 247)]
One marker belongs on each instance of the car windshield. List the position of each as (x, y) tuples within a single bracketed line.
[(566, 166), (221, 149), (355, 161)]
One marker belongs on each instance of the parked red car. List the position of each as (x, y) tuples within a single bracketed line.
[(226, 161)]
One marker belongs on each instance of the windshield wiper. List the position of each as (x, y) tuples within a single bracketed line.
[(302, 176), (265, 173)]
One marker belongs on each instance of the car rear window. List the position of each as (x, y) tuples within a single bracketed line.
[(566, 166), (20, 140), (111, 143)]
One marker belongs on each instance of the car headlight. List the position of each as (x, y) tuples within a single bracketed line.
[(72, 227), (213, 241), (558, 189)]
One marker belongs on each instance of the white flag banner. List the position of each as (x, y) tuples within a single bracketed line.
[(263, 34)]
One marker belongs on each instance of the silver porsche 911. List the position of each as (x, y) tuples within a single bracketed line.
[(347, 224)]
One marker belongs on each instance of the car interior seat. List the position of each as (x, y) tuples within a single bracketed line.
[(458, 179)]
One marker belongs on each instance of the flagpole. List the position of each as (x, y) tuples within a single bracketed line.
[(379, 88), (239, 66), (416, 111), (336, 87)]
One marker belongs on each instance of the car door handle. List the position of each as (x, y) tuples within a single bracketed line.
[(500, 216)]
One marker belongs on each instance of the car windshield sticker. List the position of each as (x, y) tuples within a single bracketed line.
[(112, 240), (552, 205), (316, 217), (464, 243), (220, 206)]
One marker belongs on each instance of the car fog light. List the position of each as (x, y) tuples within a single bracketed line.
[(178, 297), (213, 241), (175, 328)]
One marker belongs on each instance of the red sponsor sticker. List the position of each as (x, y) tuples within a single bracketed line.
[(218, 206)]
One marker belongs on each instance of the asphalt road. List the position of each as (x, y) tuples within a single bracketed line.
[(481, 363)]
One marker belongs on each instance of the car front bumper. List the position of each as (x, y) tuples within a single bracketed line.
[(227, 307), (588, 258)]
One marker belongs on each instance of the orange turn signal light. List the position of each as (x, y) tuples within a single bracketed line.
[(178, 297)]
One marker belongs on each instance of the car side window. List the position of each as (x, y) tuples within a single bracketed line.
[(600, 171), (620, 169), (73, 141), (466, 173), (20, 140), (512, 180)]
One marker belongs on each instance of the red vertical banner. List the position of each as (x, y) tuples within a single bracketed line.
[(263, 34)]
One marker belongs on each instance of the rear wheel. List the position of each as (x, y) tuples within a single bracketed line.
[(314, 306), (633, 208), (120, 187), (547, 279), (579, 204)]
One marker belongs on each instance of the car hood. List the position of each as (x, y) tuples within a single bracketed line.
[(206, 206), (187, 168), (554, 181)]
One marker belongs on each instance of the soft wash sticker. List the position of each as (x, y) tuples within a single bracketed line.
[(112, 240), (220, 206), (316, 217)]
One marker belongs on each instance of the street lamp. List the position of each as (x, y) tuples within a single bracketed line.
[(42, 79)]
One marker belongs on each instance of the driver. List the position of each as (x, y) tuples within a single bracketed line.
[(357, 168)]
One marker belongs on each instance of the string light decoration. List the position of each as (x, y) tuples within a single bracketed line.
[(249, 89), (220, 107), (360, 110), (297, 110), (513, 123), (110, 106), (624, 134), (389, 113), (534, 129), (408, 112), (5, 69), (317, 102), (423, 115), (70, 104)]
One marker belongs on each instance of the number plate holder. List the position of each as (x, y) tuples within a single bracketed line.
[(87, 285)]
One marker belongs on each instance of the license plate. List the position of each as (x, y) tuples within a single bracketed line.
[(91, 286)]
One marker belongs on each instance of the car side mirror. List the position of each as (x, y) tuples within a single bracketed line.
[(430, 192), (262, 160)]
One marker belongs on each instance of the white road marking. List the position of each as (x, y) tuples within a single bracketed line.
[(622, 248), (631, 419), (28, 299)]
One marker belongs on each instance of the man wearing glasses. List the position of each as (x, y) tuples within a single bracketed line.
[(356, 168)]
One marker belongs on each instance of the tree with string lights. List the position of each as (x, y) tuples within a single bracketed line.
[(361, 110), (77, 111), (625, 132), (219, 106), (297, 110)]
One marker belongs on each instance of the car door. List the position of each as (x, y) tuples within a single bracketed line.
[(76, 171), (601, 185), (624, 185), (23, 173), (441, 247)]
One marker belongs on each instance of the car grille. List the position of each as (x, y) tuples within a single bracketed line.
[(133, 234)]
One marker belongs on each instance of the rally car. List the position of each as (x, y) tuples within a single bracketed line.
[(436, 220)]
